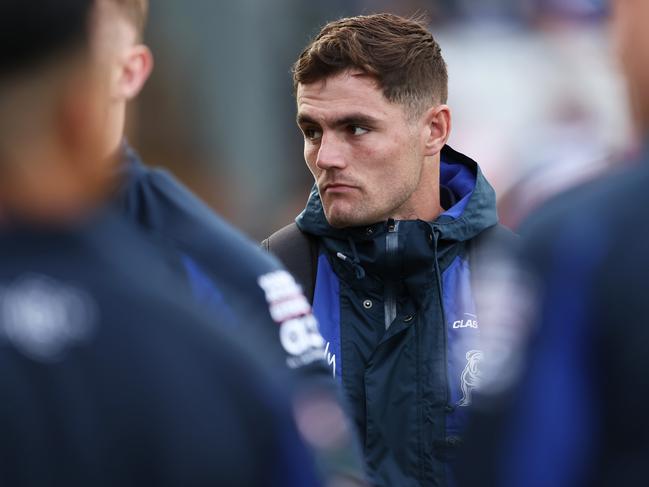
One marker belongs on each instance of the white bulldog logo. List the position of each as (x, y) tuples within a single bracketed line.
[(470, 378)]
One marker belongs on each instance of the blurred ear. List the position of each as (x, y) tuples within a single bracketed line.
[(437, 129), (135, 70)]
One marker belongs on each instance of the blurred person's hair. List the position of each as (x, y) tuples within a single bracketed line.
[(400, 53), (136, 11), (35, 33), (38, 42), (51, 118)]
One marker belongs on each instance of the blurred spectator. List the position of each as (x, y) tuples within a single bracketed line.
[(110, 376), (228, 274), (564, 397)]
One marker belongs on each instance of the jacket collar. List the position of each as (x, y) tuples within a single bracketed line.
[(471, 201), (367, 257)]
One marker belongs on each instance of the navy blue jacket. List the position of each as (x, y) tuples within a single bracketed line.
[(576, 415), (109, 377), (235, 279), (395, 304)]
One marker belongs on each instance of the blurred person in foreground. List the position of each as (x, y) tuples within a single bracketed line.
[(109, 376), (386, 244), (575, 413), (227, 274)]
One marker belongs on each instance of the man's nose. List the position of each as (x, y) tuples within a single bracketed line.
[(330, 153)]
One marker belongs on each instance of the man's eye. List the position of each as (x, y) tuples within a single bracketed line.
[(356, 130), (313, 134)]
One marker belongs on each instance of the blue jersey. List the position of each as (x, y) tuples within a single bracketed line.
[(575, 413), (110, 377), (260, 302), (225, 271)]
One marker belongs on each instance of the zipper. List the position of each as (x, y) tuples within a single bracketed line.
[(445, 326), (391, 249)]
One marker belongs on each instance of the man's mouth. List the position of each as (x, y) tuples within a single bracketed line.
[(337, 188)]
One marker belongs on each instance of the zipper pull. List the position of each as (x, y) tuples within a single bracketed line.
[(342, 256), (392, 225)]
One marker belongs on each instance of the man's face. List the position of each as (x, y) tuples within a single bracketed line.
[(632, 39), (363, 151)]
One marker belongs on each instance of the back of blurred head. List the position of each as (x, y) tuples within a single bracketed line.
[(632, 39), (51, 118)]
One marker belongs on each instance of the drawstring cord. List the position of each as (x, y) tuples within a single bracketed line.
[(355, 262)]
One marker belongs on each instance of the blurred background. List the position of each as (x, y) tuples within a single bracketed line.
[(534, 91)]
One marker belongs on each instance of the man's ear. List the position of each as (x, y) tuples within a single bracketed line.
[(135, 71), (437, 129)]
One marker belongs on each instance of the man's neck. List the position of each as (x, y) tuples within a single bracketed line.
[(424, 204), (47, 185), (116, 120), (433, 210)]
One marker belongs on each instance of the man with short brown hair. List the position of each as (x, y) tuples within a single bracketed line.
[(389, 229)]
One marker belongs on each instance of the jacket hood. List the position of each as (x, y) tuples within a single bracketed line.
[(469, 199)]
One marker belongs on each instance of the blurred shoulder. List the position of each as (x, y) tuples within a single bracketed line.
[(156, 200), (589, 214)]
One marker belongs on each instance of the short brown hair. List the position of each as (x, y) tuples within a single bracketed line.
[(135, 11), (399, 52)]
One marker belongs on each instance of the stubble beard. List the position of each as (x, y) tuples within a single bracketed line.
[(363, 215)]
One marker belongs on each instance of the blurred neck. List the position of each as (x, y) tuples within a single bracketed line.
[(42, 183), (115, 128)]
